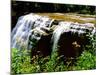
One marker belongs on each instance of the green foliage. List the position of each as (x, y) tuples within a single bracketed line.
[(87, 60), (53, 7), (21, 61)]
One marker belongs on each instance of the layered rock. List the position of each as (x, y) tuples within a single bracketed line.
[(43, 35)]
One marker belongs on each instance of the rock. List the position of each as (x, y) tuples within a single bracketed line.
[(44, 33)]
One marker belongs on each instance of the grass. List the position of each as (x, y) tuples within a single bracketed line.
[(21, 63)]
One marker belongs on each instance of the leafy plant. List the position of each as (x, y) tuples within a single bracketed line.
[(21, 61)]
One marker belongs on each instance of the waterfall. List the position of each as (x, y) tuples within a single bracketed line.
[(63, 26), (31, 27), (74, 28), (25, 27)]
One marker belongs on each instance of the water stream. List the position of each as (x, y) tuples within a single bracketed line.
[(24, 28), (32, 27)]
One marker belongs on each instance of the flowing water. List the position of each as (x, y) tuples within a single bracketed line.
[(63, 26), (23, 29), (31, 26), (74, 28)]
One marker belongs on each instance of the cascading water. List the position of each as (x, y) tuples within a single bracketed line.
[(58, 31), (24, 28), (30, 29), (20, 33), (74, 28)]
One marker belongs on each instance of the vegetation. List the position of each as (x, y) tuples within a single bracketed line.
[(21, 61), (51, 7), (20, 8)]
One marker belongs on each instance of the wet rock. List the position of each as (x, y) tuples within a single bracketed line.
[(44, 35)]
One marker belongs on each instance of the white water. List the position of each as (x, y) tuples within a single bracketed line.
[(22, 31), (30, 26), (74, 28), (63, 26)]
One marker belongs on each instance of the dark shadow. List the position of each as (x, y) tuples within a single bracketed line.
[(43, 47), (71, 46)]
